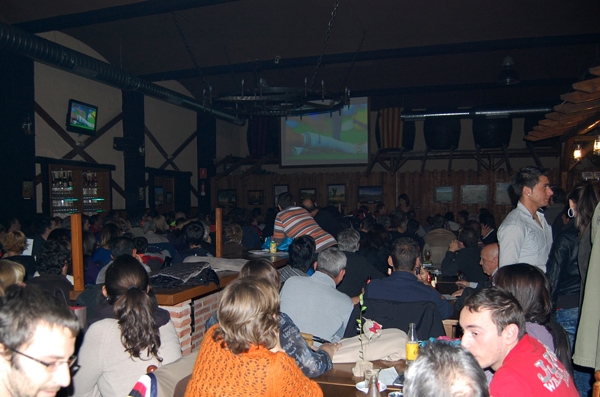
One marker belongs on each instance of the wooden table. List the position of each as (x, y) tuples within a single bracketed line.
[(340, 382)]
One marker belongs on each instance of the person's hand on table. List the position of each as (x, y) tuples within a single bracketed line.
[(463, 283), (458, 293), (330, 348)]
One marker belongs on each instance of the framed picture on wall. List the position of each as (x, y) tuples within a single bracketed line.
[(503, 193), (370, 194), (308, 194), (278, 189), (159, 195), (169, 197), (474, 194), (444, 194), (256, 197), (336, 194), (227, 198), (28, 190)]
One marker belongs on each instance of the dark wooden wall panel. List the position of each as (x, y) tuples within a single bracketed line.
[(420, 187)]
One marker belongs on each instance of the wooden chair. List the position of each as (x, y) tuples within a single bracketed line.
[(308, 338), (596, 389), (398, 315), (450, 327)]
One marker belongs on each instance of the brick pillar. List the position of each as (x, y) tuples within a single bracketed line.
[(203, 308), (180, 316), (190, 335)]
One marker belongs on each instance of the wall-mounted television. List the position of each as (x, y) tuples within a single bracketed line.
[(338, 138), (82, 117)]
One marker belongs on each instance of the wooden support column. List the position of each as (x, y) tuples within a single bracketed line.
[(77, 252), (450, 160), (219, 231), (508, 167), (424, 159)]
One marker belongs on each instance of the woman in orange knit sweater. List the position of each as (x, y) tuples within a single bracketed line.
[(242, 356)]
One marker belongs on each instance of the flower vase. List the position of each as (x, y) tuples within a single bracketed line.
[(360, 368)]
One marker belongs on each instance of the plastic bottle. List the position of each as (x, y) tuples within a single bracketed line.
[(412, 344)]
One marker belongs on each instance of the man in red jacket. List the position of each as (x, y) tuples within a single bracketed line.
[(494, 332)]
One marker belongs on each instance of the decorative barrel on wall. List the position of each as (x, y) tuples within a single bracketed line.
[(393, 133), (263, 136), (442, 133), (492, 133)]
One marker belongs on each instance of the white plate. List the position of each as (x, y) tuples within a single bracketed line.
[(267, 253), (361, 386), (258, 252), (449, 297)]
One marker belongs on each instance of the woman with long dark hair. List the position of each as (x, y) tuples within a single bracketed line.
[(101, 255), (583, 204), (132, 334), (531, 287)]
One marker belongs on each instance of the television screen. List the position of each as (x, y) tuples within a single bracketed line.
[(327, 139), (82, 117)]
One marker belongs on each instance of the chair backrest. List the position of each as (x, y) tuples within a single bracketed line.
[(392, 314), (596, 389), (160, 247)]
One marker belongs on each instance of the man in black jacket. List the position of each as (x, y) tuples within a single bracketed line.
[(324, 219), (463, 257), (359, 270)]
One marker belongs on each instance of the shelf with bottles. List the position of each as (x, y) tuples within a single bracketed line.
[(75, 187), (93, 205), (90, 185), (62, 183), (65, 205)]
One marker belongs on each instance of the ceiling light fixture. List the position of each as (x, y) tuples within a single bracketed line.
[(597, 146), (508, 76), (577, 152), (259, 99)]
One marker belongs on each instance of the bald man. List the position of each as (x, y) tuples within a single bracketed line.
[(489, 263)]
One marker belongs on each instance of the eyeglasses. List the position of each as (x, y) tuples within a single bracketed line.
[(52, 366)]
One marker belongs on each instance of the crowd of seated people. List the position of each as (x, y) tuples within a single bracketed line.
[(379, 255)]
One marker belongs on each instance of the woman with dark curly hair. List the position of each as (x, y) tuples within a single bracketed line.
[(132, 333), (242, 354)]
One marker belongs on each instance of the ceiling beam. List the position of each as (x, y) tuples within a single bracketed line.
[(112, 14), (377, 55)]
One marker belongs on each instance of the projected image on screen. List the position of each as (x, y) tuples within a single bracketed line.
[(321, 139)]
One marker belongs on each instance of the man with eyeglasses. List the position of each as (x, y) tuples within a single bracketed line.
[(37, 341)]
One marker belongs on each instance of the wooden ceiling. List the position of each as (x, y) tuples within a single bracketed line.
[(419, 55), (577, 115)]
